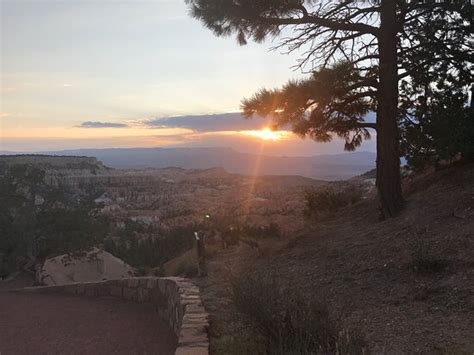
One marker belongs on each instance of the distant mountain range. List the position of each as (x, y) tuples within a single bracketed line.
[(325, 167)]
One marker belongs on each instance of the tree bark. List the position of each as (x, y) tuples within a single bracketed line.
[(388, 156)]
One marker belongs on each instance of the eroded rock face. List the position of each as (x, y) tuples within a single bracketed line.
[(92, 265)]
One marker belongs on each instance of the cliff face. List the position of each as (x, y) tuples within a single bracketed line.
[(59, 163), (58, 170), (175, 196)]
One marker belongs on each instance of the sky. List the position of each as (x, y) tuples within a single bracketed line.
[(132, 73)]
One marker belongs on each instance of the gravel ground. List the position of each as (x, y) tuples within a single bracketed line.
[(67, 324)]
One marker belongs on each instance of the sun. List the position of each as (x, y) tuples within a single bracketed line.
[(267, 134)]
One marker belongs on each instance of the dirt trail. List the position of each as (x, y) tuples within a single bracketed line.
[(67, 324)]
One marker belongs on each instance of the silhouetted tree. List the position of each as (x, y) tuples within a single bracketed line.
[(436, 123), (325, 104), (443, 131), (379, 41)]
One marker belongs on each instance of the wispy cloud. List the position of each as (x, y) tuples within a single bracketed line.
[(209, 123), (96, 124)]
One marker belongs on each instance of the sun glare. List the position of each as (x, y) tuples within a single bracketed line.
[(267, 134)]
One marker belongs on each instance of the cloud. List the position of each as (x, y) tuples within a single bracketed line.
[(95, 124), (209, 123)]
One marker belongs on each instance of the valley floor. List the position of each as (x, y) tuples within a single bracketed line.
[(405, 284)]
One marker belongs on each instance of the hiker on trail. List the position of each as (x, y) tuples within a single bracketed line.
[(201, 237)]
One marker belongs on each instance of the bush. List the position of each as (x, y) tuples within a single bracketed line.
[(244, 343), (426, 261), (227, 229), (288, 322), (329, 200), (270, 231)]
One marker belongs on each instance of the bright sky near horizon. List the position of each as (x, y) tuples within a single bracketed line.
[(94, 73)]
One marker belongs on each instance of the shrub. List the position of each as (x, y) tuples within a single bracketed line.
[(289, 322), (270, 231), (329, 200), (231, 232), (426, 261), (243, 343)]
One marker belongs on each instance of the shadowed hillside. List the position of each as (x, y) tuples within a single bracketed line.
[(405, 285)]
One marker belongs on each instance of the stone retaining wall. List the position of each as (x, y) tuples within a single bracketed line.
[(177, 301)]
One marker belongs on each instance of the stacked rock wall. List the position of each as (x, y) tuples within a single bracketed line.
[(177, 301)]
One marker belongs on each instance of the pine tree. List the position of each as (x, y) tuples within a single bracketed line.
[(375, 39)]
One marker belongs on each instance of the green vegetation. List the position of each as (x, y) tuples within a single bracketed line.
[(269, 231), (67, 230), (146, 247), (38, 220), (444, 134), (287, 322), (233, 229), (324, 201)]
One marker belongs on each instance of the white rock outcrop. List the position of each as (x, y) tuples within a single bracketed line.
[(92, 265)]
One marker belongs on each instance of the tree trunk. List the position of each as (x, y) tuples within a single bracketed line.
[(388, 157)]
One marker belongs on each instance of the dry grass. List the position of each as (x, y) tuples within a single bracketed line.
[(288, 321), (373, 277)]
